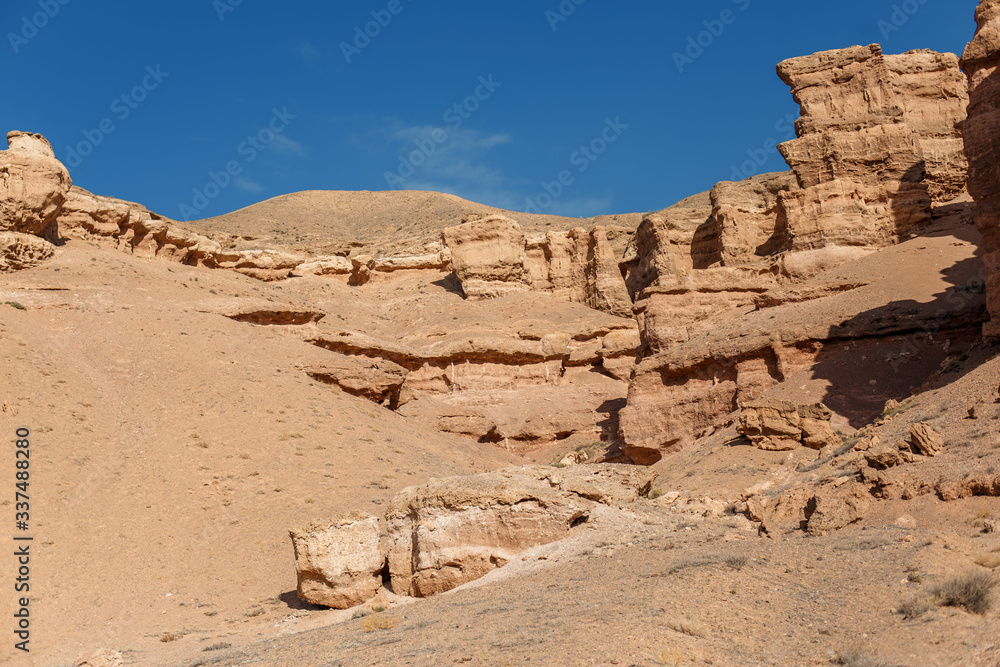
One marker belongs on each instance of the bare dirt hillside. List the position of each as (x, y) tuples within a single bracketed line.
[(335, 222)]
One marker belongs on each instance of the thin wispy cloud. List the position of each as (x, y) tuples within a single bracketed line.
[(247, 185), (461, 162), (283, 144)]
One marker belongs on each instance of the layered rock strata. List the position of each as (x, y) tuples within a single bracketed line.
[(982, 144)]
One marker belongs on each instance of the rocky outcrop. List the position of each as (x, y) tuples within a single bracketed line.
[(22, 251), (780, 425), (452, 531), (491, 258), (982, 144), (33, 186), (926, 440), (878, 145), (513, 390), (378, 380), (487, 256), (860, 166), (339, 563)]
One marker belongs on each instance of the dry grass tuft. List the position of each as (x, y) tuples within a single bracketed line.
[(991, 561), (377, 622), (971, 591), (688, 625), (670, 658)]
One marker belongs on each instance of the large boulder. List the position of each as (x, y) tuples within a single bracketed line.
[(454, 530), (339, 563), (33, 186)]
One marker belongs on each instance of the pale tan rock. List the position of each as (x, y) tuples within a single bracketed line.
[(748, 217), (339, 562), (101, 658), (454, 530), (33, 186), (982, 144), (22, 251), (926, 440), (834, 508), (487, 256), (326, 266), (378, 380)]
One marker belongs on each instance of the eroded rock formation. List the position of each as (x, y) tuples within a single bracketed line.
[(454, 530), (33, 186), (339, 562), (491, 258), (982, 144), (878, 146)]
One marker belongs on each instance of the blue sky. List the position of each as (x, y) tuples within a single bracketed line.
[(577, 107)]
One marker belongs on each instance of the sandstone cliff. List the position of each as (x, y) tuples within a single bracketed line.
[(982, 144)]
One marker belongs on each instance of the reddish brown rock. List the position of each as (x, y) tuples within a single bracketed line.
[(982, 144)]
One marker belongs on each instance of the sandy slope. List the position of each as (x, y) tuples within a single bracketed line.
[(334, 222)]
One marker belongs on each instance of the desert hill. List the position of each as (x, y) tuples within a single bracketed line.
[(392, 222)]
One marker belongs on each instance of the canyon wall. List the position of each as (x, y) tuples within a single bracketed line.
[(982, 144)]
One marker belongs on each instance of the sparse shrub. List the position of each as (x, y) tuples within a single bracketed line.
[(254, 611), (737, 562), (654, 494), (688, 625), (217, 647), (15, 304), (377, 622), (170, 637), (971, 591)]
